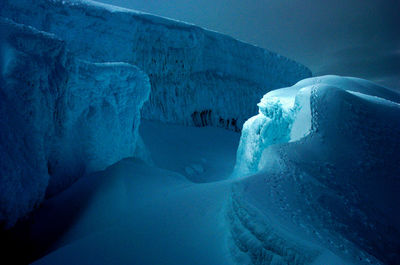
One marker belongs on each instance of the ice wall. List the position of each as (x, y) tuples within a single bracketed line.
[(59, 117), (321, 160), (198, 77)]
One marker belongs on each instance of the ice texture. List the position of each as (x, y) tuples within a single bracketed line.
[(198, 77), (289, 114), (60, 117), (322, 162)]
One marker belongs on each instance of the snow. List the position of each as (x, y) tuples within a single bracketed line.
[(311, 202), (198, 77), (289, 114), (201, 155), (135, 213), (60, 117), (316, 178), (102, 121), (334, 182)]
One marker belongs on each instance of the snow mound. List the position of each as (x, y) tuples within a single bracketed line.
[(134, 213), (198, 77), (289, 114), (324, 165), (60, 117)]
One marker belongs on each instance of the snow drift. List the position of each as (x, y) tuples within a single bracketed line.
[(198, 77), (323, 162), (60, 117)]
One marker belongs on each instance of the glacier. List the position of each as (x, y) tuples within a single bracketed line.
[(198, 77), (118, 96), (61, 117), (320, 160)]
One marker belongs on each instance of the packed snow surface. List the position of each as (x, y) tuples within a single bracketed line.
[(135, 213), (322, 161), (60, 117), (198, 77)]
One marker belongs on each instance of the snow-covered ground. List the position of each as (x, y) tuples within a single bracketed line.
[(200, 154), (135, 213)]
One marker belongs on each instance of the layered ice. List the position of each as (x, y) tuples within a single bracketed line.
[(322, 162), (198, 77), (60, 117)]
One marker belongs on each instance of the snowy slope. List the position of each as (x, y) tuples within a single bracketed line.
[(133, 213), (325, 154), (60, 117), (201, 154), (198, 77), (143, 215)]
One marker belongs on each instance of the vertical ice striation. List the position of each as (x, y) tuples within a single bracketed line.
[(33, 76), (198, 77), (59, 117), (100, 122)]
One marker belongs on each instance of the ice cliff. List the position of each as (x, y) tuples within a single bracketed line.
[(198, 77), (322, 162), (60, 117)]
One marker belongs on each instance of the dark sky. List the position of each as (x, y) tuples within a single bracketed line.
[(347, 37)]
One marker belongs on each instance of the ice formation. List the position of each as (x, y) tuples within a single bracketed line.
[(316, 179), (60, 117), (198, 77), (290, 114), (322, 160)]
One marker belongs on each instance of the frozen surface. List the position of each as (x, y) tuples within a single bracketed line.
[(290, 114), (202, 154), (198, 77), (133, 213), (316, 179), (136, 214), (324, 165), (60, 117)]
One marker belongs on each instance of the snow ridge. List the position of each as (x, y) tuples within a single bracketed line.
[(335, 178)]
